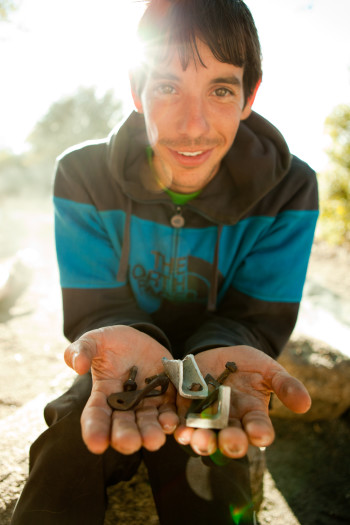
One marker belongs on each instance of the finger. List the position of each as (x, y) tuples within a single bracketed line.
[(168, 418), (95, 423), (125, 435), (182, 407), (183, 434), (203, 441), (79, 354), (258, 428), (233, 441), (150, 429), (291, 392)]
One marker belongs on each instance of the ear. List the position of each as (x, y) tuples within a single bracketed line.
[(248, 107), (253, 95), (135, 94)]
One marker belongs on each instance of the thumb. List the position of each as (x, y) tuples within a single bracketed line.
[(79, 355), (291, 392)]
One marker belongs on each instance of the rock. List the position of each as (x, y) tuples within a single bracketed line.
[(326, 374), (15, 277)]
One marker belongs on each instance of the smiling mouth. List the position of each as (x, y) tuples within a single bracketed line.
[(191, 158), (190, 153)]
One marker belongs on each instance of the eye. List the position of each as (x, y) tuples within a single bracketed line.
[(223, 92), (165, 89)]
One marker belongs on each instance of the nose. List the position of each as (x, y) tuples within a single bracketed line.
[(192, 117)]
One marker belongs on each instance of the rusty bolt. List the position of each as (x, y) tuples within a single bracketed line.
[(130, 384), (231, 367)]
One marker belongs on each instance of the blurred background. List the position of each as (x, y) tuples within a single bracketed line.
[(64, 79)]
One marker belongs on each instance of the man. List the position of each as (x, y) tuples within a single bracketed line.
[(187, 231)]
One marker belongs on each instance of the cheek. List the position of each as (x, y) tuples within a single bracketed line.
[(159, 122), (228, 128), (153, 124), (226, 118), (152, 133)]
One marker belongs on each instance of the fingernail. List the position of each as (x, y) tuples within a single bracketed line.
[(232, 450), (169, 428), (205, 451), (200, 451)]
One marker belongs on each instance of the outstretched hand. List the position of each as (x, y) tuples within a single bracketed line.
[(258, 375), (110, 352)]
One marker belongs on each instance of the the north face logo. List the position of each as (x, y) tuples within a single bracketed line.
[(174, 279)]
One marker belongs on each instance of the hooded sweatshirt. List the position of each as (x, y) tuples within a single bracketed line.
[(226, 268)]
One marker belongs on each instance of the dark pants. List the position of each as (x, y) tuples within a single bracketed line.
[(67, 484)]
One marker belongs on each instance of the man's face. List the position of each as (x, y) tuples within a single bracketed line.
[(191, 117)]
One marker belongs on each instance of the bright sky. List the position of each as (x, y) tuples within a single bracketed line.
[(52, 47)]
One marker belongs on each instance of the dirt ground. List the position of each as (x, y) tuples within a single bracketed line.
[(307, 481)]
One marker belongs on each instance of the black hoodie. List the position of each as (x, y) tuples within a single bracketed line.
[(226, 268)]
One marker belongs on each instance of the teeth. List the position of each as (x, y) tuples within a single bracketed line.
[(190, 153)]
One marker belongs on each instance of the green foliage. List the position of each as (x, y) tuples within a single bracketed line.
[(72, 120), (11, 172), (6, 8), (19, 177), (69, 121), (335, 183)]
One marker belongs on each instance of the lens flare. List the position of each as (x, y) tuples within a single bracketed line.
[(238, 514)]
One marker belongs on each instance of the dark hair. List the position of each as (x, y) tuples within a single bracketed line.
[(225, 26)]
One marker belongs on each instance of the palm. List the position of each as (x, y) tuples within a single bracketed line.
[(111, 352), (257, 376)]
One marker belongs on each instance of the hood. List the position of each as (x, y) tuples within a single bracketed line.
[(257, 161)]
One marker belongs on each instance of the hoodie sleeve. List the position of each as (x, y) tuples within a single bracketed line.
[(261, 303), (244, 320), (88, 261)]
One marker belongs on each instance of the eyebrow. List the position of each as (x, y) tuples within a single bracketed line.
[(157, 75), (233, 80)]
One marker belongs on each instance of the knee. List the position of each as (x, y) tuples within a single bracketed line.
[(71, 402)]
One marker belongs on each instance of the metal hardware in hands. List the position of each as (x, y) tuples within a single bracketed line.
[(130, 384), (128, 400), (197, 418), (214, 421), (231, 367), (186, 377), (189, 381), (198, 406)]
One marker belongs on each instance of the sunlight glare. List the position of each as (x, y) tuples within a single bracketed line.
[(58, 46), (134, 55)]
